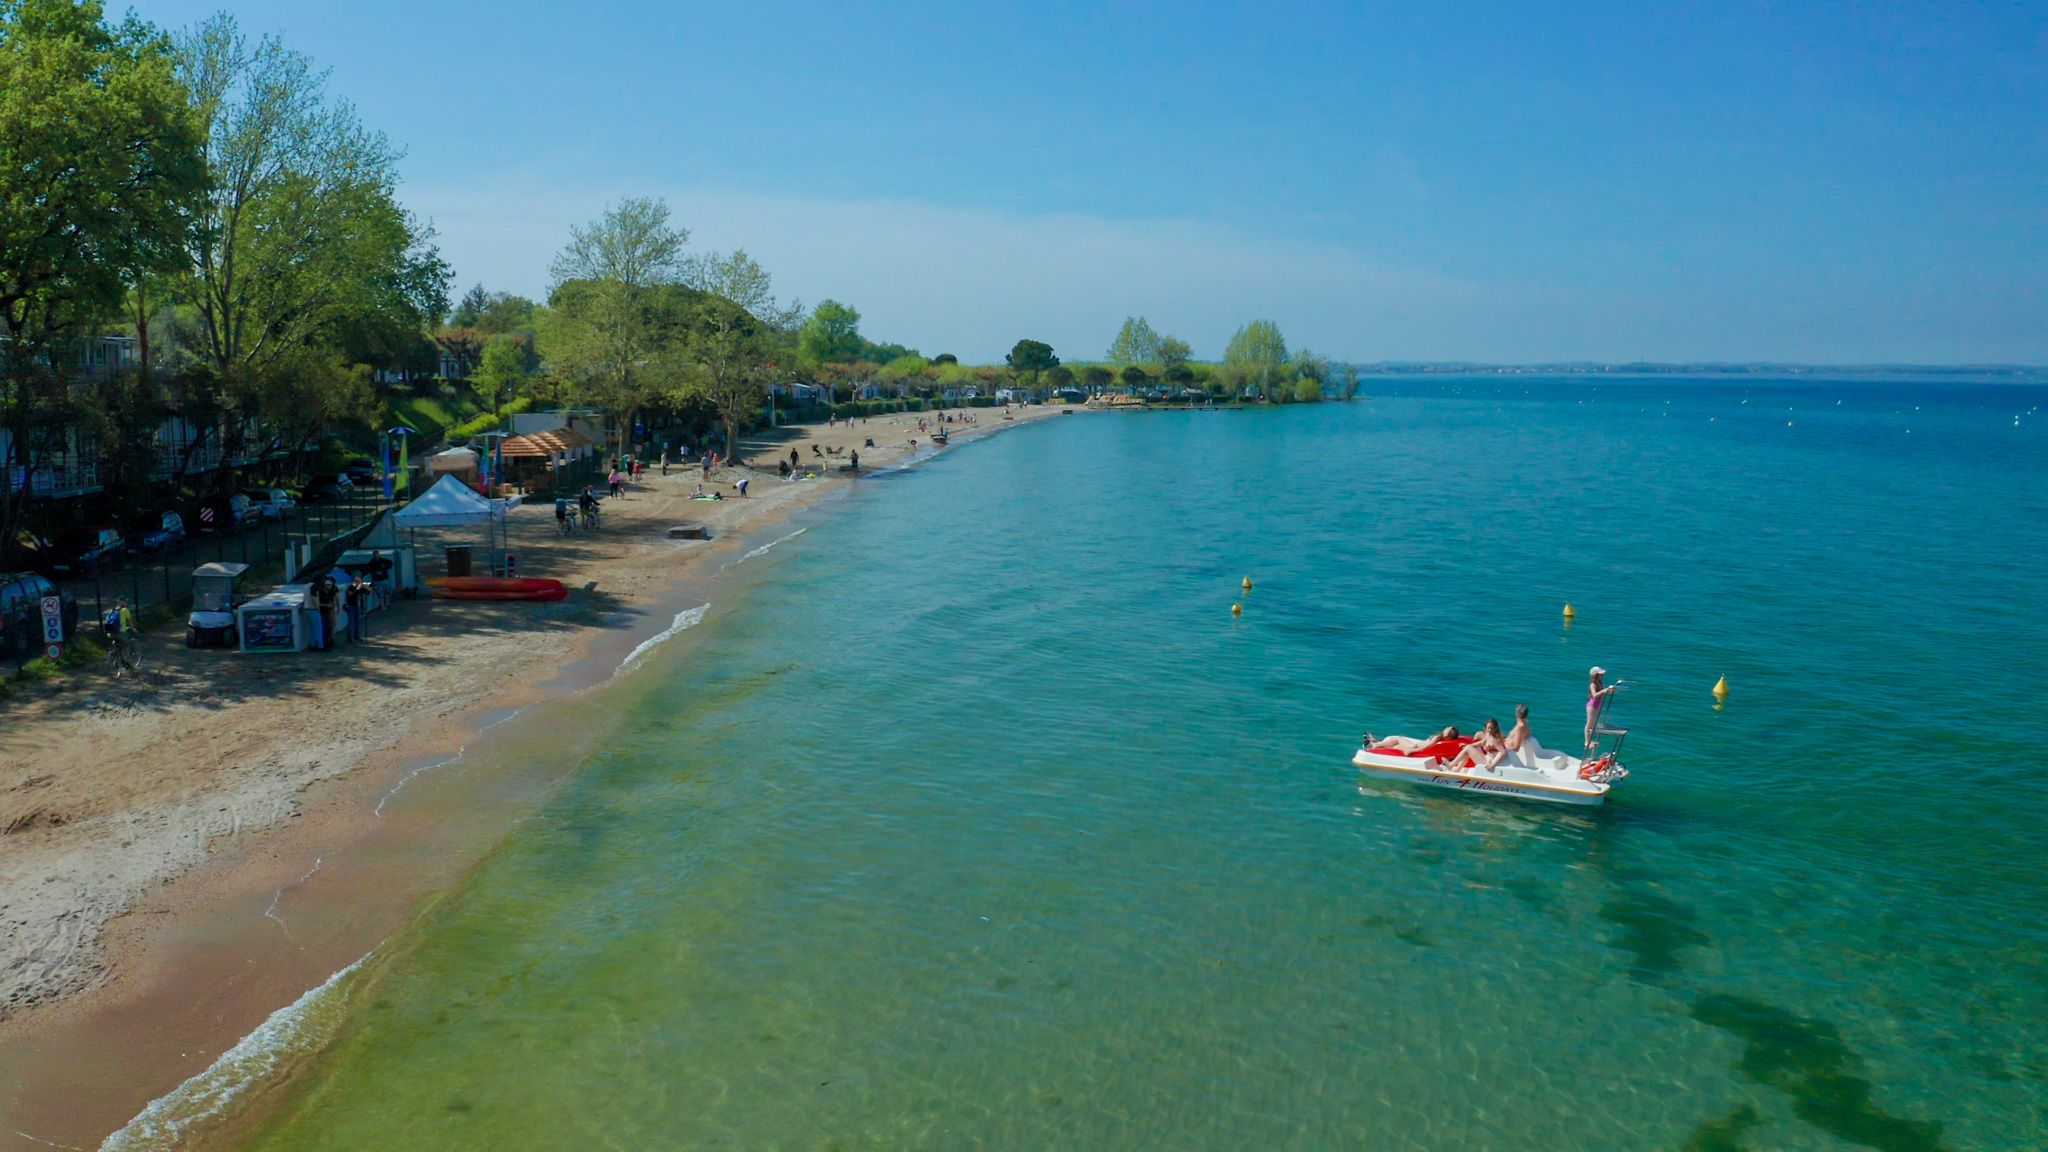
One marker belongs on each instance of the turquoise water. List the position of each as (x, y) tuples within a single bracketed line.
[(979, 822)]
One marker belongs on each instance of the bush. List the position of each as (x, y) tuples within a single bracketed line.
[(488, 422)]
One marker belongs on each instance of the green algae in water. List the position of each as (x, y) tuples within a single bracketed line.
[(1807, 1060), (1723, 1134), (1654, 930)]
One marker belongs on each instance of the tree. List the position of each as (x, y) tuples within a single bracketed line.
[(1096, 377), (471, 308), (734, 356), (464, 346), (1257, 353), (1347, 381), (1308, 390), (616, 318), (1032, 357), (503, 370), (299, 232), (1179, 375), (831, 335), (506, 313), (1174, 353), (1060, 377), (1135, 343), (945, 358), (1311, 366), (1134, 376), (100, 166)]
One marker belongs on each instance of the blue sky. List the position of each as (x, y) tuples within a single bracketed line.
[(1840, 182)]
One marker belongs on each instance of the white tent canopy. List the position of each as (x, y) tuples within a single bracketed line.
[(448, 504)]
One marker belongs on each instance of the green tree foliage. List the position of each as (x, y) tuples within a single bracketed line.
[(1257, 355), (506, 313), (1174, 353), (470, 308), (1031, 357), (1095, 376), (300, 232), (1178, 375), (1135, 343), (1134, 376), (1060, 377), (100, 166), (1308, 390), (945, 358), (905, 367), (1311, 366), (1347, 382), (464, 346), (615, 326), (831, 335), (504, 367), (744, 339)]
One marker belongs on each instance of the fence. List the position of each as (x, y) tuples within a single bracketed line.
[(165, 578)]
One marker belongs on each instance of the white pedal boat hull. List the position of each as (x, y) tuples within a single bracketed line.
[(1556, 782)]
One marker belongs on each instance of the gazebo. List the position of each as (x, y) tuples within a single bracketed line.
[(554, 447)]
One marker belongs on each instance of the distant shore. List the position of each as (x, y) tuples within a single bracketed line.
[(157, 828)]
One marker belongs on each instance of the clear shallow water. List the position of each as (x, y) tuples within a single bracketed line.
[(983, 824)]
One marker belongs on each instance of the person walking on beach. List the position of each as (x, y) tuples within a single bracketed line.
[(664, 463), (357, 601), (1595, 695), (795, 461)]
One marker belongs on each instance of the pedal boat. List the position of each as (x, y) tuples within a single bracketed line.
[(1533, 773)]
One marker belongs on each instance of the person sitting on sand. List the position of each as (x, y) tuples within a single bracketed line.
[(1407, 744), (1486, 751)]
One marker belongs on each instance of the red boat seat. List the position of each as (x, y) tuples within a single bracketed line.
[(1441, 750)]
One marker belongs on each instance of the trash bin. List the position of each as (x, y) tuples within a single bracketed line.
[(458, 559)]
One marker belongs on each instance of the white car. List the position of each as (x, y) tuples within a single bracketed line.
[(271, 503)]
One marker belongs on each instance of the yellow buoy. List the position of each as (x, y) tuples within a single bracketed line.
[(1247, 583), (1568, 613), (1237, 609), (1721, 688)]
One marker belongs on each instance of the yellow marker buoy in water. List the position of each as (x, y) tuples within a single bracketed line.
[(1721, 688), (1237, 609), (1568, 613), (1247, 583)]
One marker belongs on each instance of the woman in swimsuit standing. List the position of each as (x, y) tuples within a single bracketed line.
[(1595, 693)]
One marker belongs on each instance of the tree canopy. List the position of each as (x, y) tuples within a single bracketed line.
[(1257, 353), (1135, 343)]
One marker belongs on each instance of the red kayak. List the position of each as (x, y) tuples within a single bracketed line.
[(497, 588)]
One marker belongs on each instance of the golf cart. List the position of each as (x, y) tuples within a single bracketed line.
[(216, 592)]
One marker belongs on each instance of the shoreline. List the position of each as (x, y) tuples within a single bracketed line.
[(200, 953)]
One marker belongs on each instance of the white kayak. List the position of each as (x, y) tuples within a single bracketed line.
[(1532, 773)]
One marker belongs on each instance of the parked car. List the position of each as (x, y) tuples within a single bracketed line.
[(363, 473), (79, 551), (328, 486), (21, 613), (225, 513), (271, 503), (166, 535)]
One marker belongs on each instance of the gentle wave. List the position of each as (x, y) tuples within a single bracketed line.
[(687, 618), (442, 763), (763, 549), (302, 1025)]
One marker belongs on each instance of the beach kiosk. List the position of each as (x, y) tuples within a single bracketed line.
[(216, 591), (278, 621)]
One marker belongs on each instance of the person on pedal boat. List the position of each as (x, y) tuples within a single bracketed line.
[(1485, 752), (1407, 744), (1596, 691)]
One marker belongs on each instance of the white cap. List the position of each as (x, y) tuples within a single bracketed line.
[(1597, 671)]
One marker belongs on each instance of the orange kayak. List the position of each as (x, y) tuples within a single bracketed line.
[(497, 588)]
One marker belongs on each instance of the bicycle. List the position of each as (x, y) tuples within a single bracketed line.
[(123, 655), (590, 517)]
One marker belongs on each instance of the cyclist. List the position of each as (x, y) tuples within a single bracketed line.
[(588, 503), (119, 626), (562, 518)]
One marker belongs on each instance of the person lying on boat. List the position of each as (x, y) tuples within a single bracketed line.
[(1485, 752), (1407, 744)]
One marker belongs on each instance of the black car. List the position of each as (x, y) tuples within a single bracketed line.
[(77, 551), (327, 486), (362, 473)]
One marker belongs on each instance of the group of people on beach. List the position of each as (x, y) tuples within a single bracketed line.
[(1489, 748)]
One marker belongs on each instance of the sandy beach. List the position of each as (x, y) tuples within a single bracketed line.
[(131, 809)]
